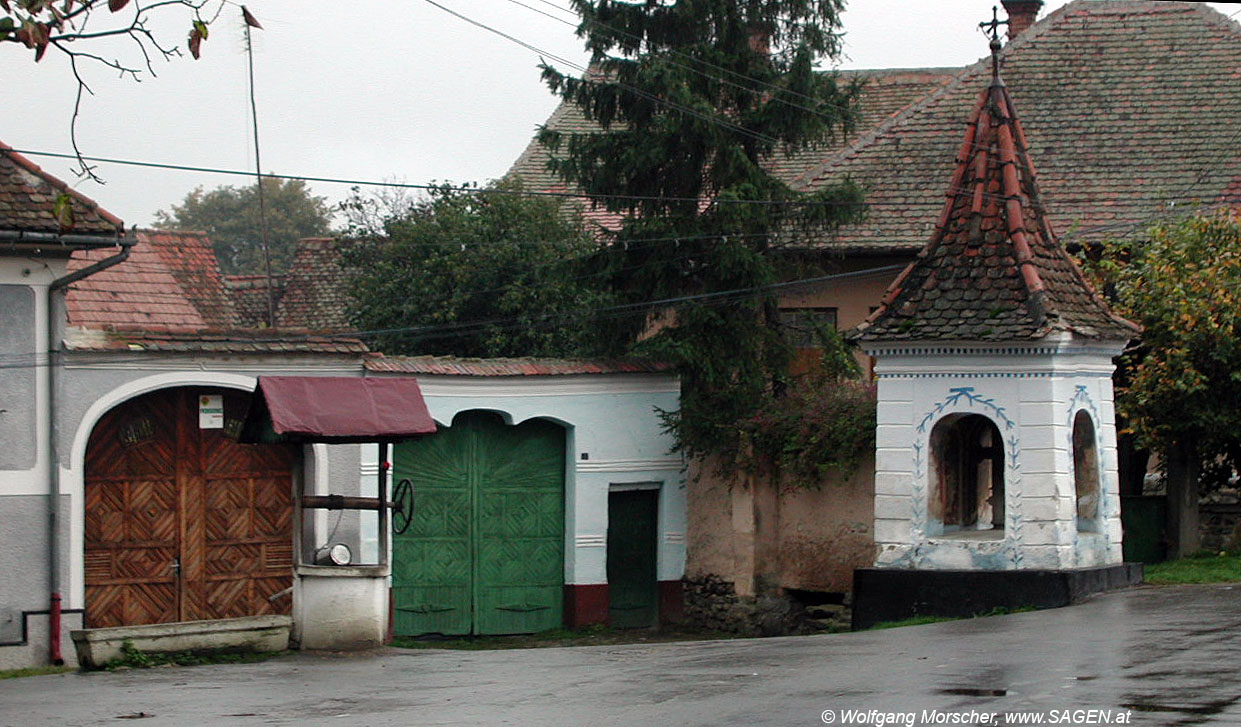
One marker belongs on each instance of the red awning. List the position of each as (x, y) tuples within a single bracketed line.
[(336, 409)]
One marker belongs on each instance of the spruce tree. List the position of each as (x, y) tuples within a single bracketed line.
[(693, 99)]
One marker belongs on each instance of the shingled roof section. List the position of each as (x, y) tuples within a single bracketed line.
[(993, 270), (141, 292), (28, 198), (192, 261), (450, 366), (248, 294), (171, 281), (316, 290), (1129, 106), (884, 93)]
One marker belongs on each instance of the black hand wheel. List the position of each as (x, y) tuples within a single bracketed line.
[(402, 506)]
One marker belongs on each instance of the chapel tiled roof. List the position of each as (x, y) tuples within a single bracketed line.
[(249, 296), (450, 366), (993, 270), (315, 291), (1130, 108), (28, 196)]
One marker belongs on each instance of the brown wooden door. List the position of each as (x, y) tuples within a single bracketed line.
[(182, 523)]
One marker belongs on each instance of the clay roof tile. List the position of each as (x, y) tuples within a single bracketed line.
[(995, 242)]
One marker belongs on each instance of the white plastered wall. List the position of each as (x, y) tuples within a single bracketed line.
[(613, 421), (1031, 393)]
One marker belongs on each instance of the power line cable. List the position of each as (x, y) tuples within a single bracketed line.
[(452, 187), (709, 118), (704, 74), (482, 190)]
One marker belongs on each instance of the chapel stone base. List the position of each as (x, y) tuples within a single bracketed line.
[(894, 594)]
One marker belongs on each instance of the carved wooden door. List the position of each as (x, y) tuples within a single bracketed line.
[(183, 523)]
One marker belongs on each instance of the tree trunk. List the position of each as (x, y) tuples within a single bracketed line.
[(1182, 467)]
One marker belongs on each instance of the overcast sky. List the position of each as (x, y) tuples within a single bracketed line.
[(376, 90)]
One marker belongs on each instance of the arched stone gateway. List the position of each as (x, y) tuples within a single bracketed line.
[(181, 522)]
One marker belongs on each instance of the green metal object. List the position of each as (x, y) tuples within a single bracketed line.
[(484, 551), (1143, 518), (633, 518)]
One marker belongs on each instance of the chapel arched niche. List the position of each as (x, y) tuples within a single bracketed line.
[(967, 476)]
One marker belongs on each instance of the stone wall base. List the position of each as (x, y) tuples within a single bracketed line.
[(712, 603), (894, 594)]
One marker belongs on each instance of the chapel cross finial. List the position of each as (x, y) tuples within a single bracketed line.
[(991, 29)]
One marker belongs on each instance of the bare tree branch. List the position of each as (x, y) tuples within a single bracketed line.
[(63, 24)]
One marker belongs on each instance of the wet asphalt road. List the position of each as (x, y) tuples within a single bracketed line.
[(1152, 656)]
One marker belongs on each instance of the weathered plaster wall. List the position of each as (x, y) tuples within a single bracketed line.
[(710, 531), (826, 532), (18, 380), (853, 296), (752, 539), (23, 387), (24, 505)]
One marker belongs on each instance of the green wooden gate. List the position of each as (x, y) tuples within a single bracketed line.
[(484, 553)]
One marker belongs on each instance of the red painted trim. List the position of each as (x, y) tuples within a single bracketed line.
[(53, 628), (671, 602), (585, 604)]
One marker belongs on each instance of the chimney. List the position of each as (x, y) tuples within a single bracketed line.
[(1021, 15)]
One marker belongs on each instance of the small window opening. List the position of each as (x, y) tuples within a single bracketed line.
[(1086, 472), (968, 492)]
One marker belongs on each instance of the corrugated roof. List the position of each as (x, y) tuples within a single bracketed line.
[(449, 366), (28, 197)]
